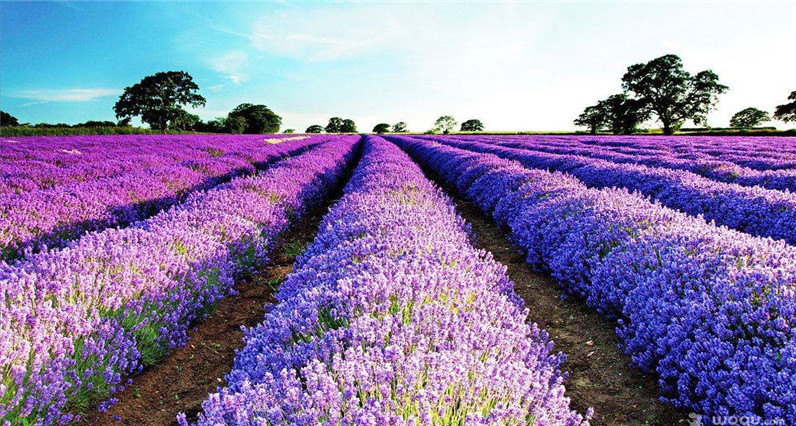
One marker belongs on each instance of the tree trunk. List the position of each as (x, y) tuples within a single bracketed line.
[(594, 130), (667, 129)]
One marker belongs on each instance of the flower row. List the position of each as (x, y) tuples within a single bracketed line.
[(52, 217), (392, 317), (709, 309), (75, 322), (753, 210)]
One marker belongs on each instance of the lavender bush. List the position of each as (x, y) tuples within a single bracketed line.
[(392, 317), (75, 322), (754, 210), (710, 310), (51, 217)]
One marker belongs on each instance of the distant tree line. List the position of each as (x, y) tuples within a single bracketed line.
[(662, 89)]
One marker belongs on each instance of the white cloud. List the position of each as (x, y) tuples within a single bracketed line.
[(233, 65), (65, 95)]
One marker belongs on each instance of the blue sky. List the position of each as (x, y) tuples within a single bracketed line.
[(514, 65)]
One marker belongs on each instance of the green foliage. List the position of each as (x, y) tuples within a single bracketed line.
[(216, 125), (400, 127), (749, 118), (7, 119), (445, 124), (315, 128), (787, 112), (473, 125), (289, 131), (593, 117), (185, 121), (348, 126), (622, 114), (159, 98), (672, 93), (68, 130), (381, 128), (334, 126), (235, 125), (256, 118)]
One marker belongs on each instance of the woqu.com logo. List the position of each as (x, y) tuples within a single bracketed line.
[(695, 419)]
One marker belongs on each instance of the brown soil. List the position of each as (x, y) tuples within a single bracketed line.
[(181, 381), (600, 374)]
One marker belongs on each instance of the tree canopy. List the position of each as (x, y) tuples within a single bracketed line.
[(593, 118), (748, 118), (348, 126), (334, 126), (381, 128), (289, 131), (159, 98), (315, 128), (672, 93), (400, 127), (7, 119), (446, 123), (472, 125), (787, 112), (256, 118)]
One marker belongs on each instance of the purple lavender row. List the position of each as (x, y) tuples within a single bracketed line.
[(722, 171), (760, 154), (392, 317), (50, 218), (710, 310), (31, 163), (754, 210), (75, 322)]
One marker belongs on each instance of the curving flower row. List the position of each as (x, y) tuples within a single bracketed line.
[(34, 220), (754, 210), (75, 322), (392, 317), (712, 311), (40, 162)]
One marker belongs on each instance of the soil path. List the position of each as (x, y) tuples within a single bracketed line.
[(600, 374), (181, 381)]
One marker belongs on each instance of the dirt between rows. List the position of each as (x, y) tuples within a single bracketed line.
[(181, 381), (600, 374)]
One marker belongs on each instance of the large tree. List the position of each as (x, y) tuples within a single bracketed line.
[(748, 118), (623, 114), (787, 112), (159, 98), (381, 128), (348, 126), (257, 118), (315, 128), (335, 123), (400, 127), (7, 119), (671, 92), (472, 125), (446, 123), (593, 118)]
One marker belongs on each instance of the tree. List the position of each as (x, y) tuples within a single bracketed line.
[(335, 123), (185, 121), (7, 119), (748, 118), (593, 117), (672, 93), (348, 126), (623, 114), (446, 123), (315, 128), (235, 125), (257, 118), (400, 127), (472, 125), (124, 122), (381, 128), (289, 131), (159, 98), (787, 112)]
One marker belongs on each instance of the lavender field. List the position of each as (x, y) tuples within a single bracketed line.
[(116, 248)]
